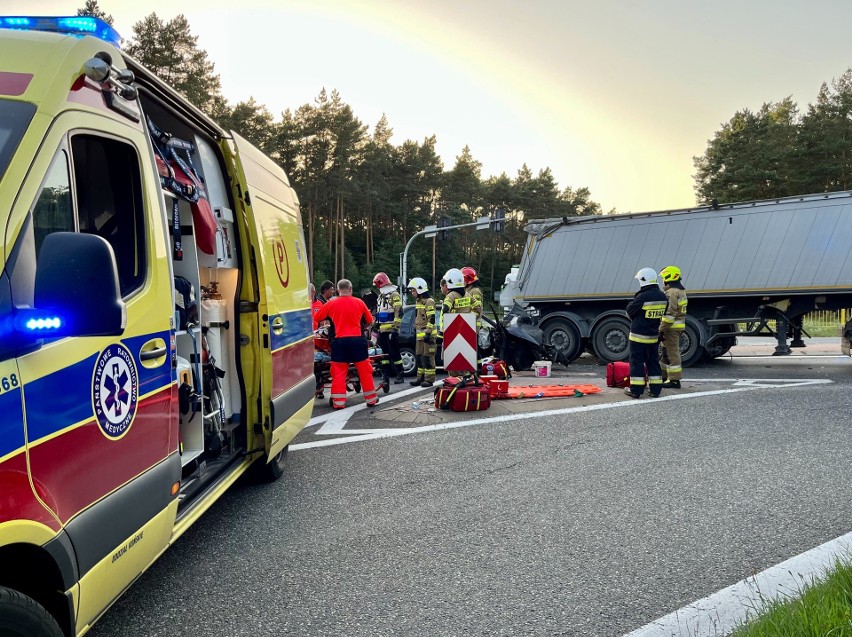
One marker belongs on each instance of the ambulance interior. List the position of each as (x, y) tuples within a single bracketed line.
[(212, 433)]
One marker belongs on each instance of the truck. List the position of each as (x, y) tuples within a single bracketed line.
[(749, 268), (156, 338)]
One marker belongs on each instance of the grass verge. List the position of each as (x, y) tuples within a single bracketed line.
[(823, 609)]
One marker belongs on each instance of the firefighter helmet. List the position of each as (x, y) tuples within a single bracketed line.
[(670, 273), (469, 275), (381, 280), (454, 278), (418, 285), (646, 276)]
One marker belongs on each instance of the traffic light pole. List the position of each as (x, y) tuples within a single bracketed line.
[(483, 224)]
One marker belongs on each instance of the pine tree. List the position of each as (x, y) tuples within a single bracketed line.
[(92, 9), (171, 51)]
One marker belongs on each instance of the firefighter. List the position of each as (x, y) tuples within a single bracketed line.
[(672, 326), (424, 327), (349, 318), (645, 311), (477, 304), (389, 320), (456, 300)]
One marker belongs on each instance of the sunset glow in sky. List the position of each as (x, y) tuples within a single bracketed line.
[(613, 95)]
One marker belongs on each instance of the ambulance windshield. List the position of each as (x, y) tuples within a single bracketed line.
[(14, 119)]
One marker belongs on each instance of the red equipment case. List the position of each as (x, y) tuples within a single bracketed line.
[(618, 374), (496, 368), (457, 395)]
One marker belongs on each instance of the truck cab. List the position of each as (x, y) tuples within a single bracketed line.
[(156, 340)]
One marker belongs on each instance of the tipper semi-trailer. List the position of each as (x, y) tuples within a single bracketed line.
[(743, 264)]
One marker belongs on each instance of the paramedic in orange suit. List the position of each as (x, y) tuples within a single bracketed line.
[(349, 318)]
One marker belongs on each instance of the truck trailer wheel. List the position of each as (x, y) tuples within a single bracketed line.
[(22, 616), (564, 337), (611, 340)]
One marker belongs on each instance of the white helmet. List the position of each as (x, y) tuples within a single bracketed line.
[(646, 276), (418, 285), (454, 278)]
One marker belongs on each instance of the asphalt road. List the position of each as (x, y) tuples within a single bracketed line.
[(581, 524)]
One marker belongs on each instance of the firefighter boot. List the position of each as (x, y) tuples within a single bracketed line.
[(417, 381), (671, 384)]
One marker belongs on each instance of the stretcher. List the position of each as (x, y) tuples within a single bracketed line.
[(322, 366), (549, 391)]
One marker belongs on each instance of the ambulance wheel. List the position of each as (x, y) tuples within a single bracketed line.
[(565, 339), (274, 469), (611, 340), (22, 616)]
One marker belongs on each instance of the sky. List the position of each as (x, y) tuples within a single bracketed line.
[(616, 96)]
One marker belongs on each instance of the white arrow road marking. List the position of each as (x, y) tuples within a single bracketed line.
[(336, 420), (357, 436)]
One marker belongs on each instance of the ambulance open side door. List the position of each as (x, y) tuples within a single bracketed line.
[(275, 314)]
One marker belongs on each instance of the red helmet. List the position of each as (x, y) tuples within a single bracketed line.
[(381, 280), (469, 275)]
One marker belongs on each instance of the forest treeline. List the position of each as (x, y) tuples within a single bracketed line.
[(362, 196)]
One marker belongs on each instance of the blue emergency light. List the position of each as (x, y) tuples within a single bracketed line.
[(72, 25), (44, 324), (40, 323)]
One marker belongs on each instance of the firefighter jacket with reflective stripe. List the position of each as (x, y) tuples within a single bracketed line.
[(389, 311), (349, 315), (476, 303), (645, 311), (424, 317), (456, 302), (675, 316)]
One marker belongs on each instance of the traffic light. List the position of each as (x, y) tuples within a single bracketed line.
[(443, 235), (499, 215)]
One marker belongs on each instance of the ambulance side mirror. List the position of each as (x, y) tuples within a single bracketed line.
[(76, 289)]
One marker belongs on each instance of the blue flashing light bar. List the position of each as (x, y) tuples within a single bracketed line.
[(71, 25), (44, 324)]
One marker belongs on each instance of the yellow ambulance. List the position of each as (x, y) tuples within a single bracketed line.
[(155, 324)]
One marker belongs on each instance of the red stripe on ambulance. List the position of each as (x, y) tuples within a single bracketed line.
[(99, 466)]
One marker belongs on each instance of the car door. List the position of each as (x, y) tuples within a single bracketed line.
[(101, 431)]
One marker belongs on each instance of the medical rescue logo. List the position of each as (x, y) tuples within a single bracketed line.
[(282, 264), (115, 390)]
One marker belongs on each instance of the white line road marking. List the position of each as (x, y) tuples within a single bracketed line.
[(336, 420), (720, 613), (335, 427), (713, 616)]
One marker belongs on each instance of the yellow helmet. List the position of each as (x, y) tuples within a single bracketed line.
[(670, 273)]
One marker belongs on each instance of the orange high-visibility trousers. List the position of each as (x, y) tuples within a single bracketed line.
[(339, 372)]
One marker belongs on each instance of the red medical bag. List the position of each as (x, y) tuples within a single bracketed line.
[(495, 367), (459, 394), (618, 374)]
